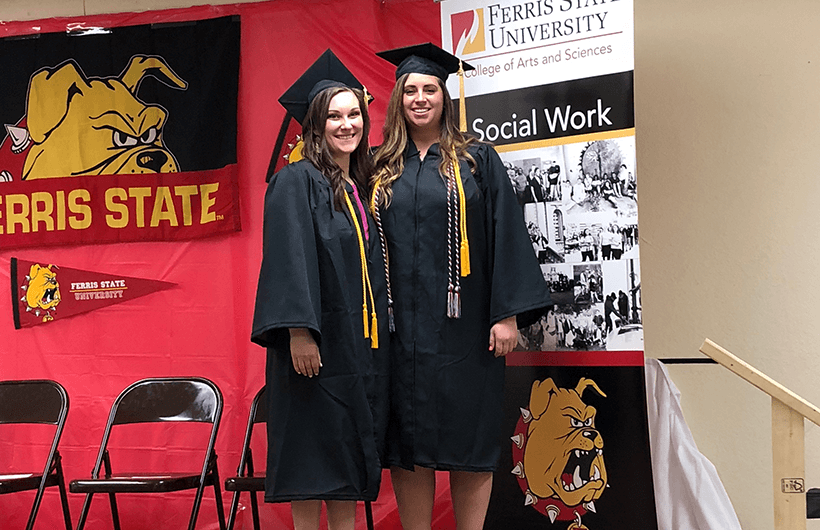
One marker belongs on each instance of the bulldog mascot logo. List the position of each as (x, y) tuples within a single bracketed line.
[(42, 291), (76, 125), (558, 452)]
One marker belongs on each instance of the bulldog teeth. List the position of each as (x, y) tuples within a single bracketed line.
[(577, 481), (596, 473)]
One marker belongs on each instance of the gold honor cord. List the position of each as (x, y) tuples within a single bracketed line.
[(462, 218), (373, 332), (462, 221)]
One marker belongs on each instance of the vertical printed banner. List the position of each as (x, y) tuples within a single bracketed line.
[(552, 89), (576, 447)]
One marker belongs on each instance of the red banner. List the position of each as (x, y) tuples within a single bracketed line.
[(118, 208), (129, 136), (37, 297)]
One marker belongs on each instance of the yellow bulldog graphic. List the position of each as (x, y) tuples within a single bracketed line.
[(562, 459), (42, 291), (96, 126)]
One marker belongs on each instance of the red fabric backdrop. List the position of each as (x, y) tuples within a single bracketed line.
[(201, 327)]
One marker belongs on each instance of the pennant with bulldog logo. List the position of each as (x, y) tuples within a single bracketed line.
[(126, 135), (43, 292)]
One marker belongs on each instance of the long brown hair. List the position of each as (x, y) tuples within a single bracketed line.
[(316, 151), (389, 157)]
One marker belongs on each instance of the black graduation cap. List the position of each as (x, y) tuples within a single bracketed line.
[(327, 71), (425, 58)]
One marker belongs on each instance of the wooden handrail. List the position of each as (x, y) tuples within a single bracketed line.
[(761, 381), (788, 438)]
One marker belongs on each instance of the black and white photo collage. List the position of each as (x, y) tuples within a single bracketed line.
[(581, 211)]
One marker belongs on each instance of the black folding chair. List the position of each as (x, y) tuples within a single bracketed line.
[(36, 402), (158, 401), (247, 480)]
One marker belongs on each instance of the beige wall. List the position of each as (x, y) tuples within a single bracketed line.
[(727, 121), (727, 118)]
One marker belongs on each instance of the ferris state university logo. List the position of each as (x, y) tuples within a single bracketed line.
[(468, 31), (558, 452)]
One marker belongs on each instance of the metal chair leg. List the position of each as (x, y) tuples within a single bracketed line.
[(84, 511), (115, 513), (63, 494), (368, 513), (255, 511), (232, 512), (220, 510)]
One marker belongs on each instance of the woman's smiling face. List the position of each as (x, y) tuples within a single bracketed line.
[(344, 125), (423, 101)]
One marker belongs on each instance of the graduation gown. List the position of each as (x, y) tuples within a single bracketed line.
[(326, 433), (446, 386)]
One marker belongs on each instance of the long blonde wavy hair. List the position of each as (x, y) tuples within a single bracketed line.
[(389, 158)]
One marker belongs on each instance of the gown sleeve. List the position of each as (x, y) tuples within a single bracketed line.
[(288, 294), (517, 285)]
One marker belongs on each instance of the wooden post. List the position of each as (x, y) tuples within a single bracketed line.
[(788, 467)]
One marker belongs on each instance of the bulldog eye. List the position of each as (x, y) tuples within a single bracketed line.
[(149, 136), (577, 424), (124, 140), (588, 423)]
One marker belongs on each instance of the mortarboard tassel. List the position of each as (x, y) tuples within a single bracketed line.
[(462, 106), (366, 97)]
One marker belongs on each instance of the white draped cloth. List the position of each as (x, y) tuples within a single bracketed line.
[(688, 491)]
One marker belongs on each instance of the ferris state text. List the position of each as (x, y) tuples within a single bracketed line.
[(556, 119), (505, 30), (541, 8), (135, 206)]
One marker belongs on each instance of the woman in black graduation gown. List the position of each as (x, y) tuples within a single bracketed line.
[(316, 311), (463, 277)]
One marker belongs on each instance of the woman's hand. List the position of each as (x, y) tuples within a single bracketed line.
[(304, 352), (503, 336)]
